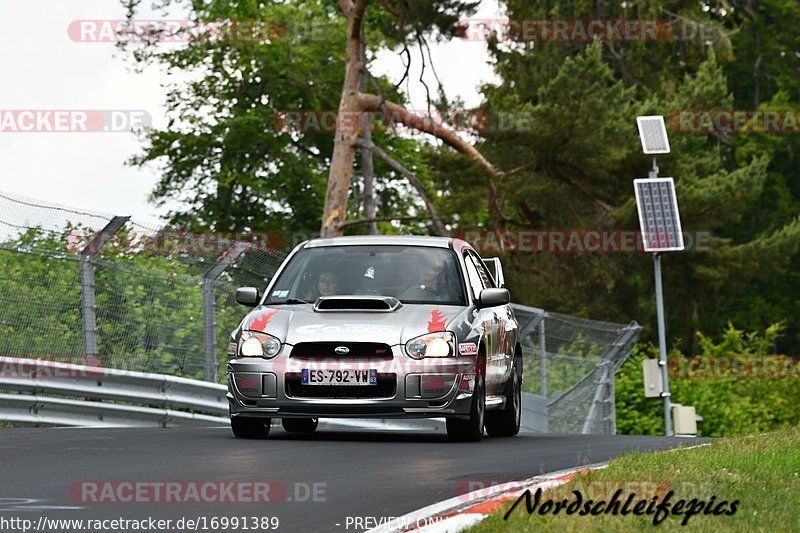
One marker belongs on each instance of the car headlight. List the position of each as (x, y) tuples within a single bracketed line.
[(439, 344), (257, 344)]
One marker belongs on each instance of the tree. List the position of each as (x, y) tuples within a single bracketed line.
[(413, 20), (562, 122), (231, 156), (229, 160)]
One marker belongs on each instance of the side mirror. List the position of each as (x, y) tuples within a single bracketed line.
[(493, 297), (248, 296)]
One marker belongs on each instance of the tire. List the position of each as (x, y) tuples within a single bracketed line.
[(505, 423), (250, 428), (300, 425), (470, 430)]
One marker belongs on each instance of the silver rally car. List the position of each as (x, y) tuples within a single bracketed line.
[(381, 327)]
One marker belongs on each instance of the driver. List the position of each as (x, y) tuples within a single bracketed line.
[(429, 272), (327, 285)]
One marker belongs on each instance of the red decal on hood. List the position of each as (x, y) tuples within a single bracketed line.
[(437, 322), (260, 323)]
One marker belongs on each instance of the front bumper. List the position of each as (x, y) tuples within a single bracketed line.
[(407, 388)]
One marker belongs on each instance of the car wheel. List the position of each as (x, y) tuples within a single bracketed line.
[(300, 425), (250, 428), (505, 423), (470, 430)]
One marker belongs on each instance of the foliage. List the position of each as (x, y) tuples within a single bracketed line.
[(733, 405), (759, 471), (560, 125), (43, 317), (230, 158), (561, 122), (149, 306)]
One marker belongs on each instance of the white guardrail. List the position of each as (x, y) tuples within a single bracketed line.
[(33, 391)]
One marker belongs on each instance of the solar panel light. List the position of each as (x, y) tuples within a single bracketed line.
[(660, 221), (658, 214), (653, 134)]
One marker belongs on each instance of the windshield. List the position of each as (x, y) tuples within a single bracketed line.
[(412, 274)]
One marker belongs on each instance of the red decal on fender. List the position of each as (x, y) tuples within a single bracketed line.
[(260, 323), (437, 321)]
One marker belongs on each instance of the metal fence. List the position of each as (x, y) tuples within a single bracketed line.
[(95, 289), (49, 393), (90, 288), (569, 365)]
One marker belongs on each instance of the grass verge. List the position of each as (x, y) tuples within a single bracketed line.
[(761, 471)]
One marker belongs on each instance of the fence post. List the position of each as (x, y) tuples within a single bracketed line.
[(88, 305), (543, 364), (601, 408), (209, 308)]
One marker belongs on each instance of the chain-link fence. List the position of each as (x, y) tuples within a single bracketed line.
[(86, 287), (569, 366), (92, 288)]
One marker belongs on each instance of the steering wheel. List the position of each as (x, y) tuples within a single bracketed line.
[(428, 290), (417, 292)]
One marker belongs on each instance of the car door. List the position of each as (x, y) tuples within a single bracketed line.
[(489, 320), (503, 349)]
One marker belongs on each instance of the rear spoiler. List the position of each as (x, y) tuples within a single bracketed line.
[(496, 270)]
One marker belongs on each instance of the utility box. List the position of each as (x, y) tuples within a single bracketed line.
[(653, 384), (684, 419)]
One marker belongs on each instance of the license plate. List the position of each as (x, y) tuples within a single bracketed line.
[(309, 376)]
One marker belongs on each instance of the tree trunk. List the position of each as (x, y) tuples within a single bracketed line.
[(344, 153), (371, 102), (438, 225), (367, 168)]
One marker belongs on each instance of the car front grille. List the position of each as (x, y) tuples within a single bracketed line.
[(385, 388), (318, 350)]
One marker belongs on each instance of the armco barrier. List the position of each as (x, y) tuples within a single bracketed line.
[(569, 364), (49, 393)]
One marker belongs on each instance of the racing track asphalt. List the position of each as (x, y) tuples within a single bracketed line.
[(359, 474)]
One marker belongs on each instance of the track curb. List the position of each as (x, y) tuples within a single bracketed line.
[(460, 512)]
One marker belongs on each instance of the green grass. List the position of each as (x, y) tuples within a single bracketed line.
[(761, 471)]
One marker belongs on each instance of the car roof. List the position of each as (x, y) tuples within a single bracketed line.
[(404, 240)]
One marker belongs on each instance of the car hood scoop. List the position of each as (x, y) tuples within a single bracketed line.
[(344, 303)]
